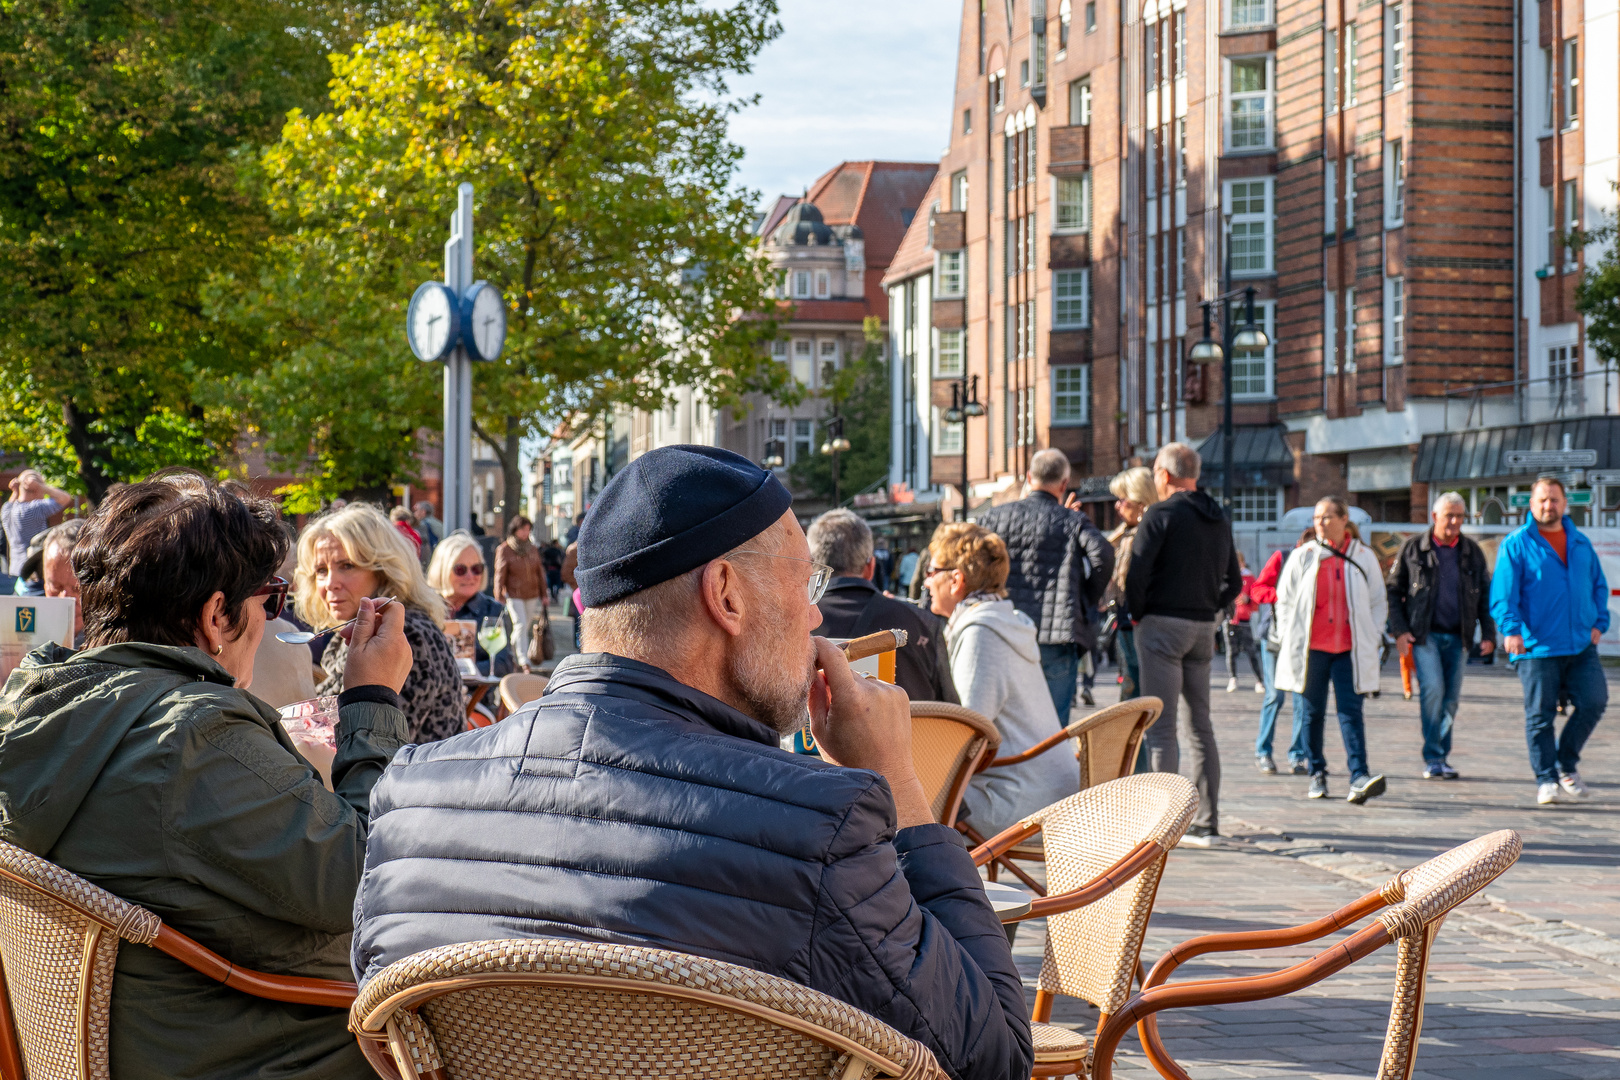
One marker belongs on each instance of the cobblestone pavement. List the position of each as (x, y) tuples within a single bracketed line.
[(1526, 979)]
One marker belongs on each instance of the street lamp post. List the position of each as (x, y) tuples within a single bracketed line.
[(964, 404), (836, 444), (1247, 337)]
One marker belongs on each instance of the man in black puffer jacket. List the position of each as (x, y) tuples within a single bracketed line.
[(645, 800), (1061, 564)]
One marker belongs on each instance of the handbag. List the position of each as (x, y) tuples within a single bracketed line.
[(541, 644)]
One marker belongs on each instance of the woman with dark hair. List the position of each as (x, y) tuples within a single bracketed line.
[(520, 584), (144, 764)]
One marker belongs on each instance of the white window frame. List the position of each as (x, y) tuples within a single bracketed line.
[(1396, 306), (1330, 197), (779, 350), (950, 343), (1181, 262), (804, 430), (1071, 299), (1268, 219), (1061, 394), (1394, 183), (1349, 171), (1572, 220), (949, 439), (1065, 21), (1250, 504), (1572, 82), (801, 284), (1352, 63), (1330, 72), (998, 90), (1265, 316), (1549, 80), (1349, 356), (1396, 54), (1072, 214), (1080, 102), (1330, 333), (1181, 152), (950, 274), (959, 190), (823, 285), (1267, 17), (1550, 200), (1267, 98), (804, 361)]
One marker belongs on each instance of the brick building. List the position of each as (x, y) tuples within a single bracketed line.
[(1110, 169)]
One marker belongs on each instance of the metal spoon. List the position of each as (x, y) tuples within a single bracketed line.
[(304, 637)]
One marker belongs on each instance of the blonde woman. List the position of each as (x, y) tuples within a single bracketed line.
[(1133, 493), (457, 572), (996, 663), (355, 553)]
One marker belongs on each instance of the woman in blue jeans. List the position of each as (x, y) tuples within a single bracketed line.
[(1331, 609)]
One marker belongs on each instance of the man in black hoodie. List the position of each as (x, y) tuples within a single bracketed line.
[(1184, 570)]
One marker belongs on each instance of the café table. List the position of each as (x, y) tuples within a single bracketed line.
[(1010, 904), (477, 686)]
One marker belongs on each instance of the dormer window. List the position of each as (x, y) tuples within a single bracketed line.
[(801, 284), (823, 285)]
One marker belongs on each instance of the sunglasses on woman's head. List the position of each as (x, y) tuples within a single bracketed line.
[(276, 590), (463, 571)]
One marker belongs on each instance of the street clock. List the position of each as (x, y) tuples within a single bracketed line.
[(433, 321), (483, 321)]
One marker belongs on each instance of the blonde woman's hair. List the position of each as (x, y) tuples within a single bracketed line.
[(1135, 485), (974, 550), (371, 543), (444, 557)]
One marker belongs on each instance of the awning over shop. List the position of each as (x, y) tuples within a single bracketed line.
[(1261, 457), (1477, 455)]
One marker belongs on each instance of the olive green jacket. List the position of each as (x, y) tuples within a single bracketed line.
[(145, 770)]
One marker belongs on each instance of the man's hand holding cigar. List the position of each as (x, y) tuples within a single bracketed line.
[(866, 724)]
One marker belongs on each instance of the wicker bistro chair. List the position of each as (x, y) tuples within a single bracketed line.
[(59, 940), (540, 1007), (949, 743), (1105, 744), (1105, 852), (518, 689), (1415, 903)]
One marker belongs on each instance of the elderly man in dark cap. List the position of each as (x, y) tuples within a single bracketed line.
[(645, 798)]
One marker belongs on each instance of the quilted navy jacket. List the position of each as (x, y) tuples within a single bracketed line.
[(1060, 566), (625, 806)]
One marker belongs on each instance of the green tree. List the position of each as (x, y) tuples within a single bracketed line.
[(595, 134), (1597, 295), (860, 394), (121, 124)]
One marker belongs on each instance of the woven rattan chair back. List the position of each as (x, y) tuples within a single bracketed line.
[(520, 688), (1106, 742), (1091, 952), (59, 938), (537, 1008), (1431, 891), (947, 743)]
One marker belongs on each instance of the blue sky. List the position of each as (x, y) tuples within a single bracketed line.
[(848, 80)]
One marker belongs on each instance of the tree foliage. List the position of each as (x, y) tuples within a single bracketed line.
[(595, 134), (1597, 295), (860, 394), (121, 125)]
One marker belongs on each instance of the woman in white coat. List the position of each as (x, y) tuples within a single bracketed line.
[(1330, 616)]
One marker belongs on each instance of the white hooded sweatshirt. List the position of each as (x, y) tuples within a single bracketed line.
[(996, 663)]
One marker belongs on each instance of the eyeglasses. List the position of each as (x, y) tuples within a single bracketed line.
[(463, 571), (939, 570), (276, 590), (820, 573)]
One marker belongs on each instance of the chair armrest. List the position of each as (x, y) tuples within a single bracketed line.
[(1035, 751), (290, 988), (1004, 841), (1137, 860), (1141, 1009)]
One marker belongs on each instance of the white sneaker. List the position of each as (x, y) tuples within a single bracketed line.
[(1572, 786), (1231, 684), (1548, 794), (1259, 687)]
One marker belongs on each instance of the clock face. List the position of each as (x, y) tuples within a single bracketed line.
[(432, 321), (486, 321)]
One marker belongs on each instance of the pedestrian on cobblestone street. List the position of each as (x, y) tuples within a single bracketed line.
[(1551, 601), (1184, 570), (1264, 593), (1133, 493), (1331, 610), (1438, 593)]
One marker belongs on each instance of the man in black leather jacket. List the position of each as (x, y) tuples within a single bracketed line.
[(645, 799), (1061, 564)]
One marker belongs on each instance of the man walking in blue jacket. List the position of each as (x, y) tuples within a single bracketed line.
[(1551, 600)]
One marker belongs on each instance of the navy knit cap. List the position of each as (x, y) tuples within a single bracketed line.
[(669, 511)]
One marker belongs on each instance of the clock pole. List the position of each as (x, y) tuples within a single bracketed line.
[(457, 468)]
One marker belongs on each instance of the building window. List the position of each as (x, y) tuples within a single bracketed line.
[(1572, 215), (1039, 49), (803, 369), (1023, 73), (1249, 204), (804, 440), (1257, 504), (1181, 262), (967, 121), (779, 351), (1080, 102), (1254, 370), (1248, 13), (1181, 153), (1349, 329), (1150, 55), (1349, 171), (959, 190), (1394, 184), (1549, 79), (1563, 365), (1330, 71), (1071, 299), (1071, 395), (1394, 320), (1065, 13), (1249, 103), (998, 91), (1330, 197), (1074, 202), (948, 363), (1572, 82), (1394, 46), (801, 284), (1550, 197), (949, 274), (823, 285), (1091, 16), (1330, 334), (947, 437), (1178, 65), (1352, 63)]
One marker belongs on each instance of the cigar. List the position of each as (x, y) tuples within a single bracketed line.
[(859, 649)]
